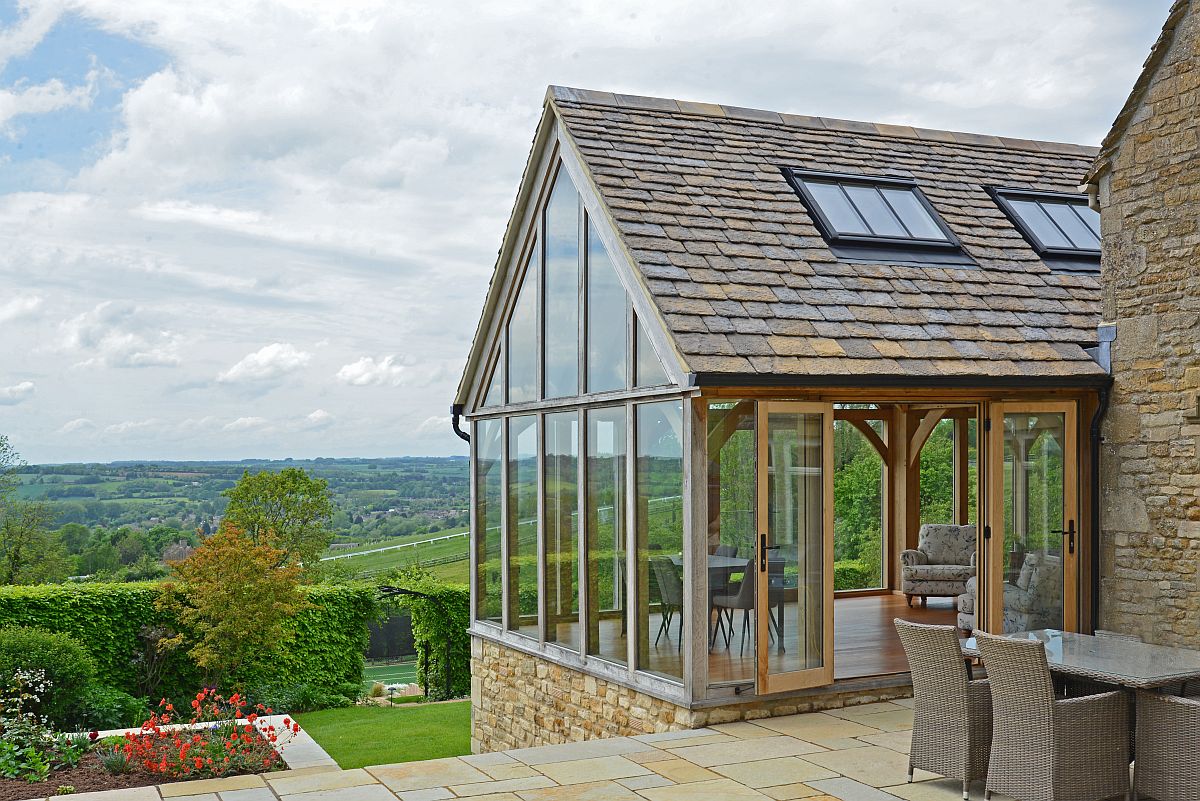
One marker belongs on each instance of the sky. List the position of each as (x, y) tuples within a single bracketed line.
[(264, 228)]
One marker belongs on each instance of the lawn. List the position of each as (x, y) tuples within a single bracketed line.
[(371, 735), (404, 673)]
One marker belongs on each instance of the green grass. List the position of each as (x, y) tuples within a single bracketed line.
[(358, 736)]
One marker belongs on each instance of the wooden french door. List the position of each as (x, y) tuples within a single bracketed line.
[(794, 553), (1032, 537)]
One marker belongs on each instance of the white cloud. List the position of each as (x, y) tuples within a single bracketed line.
[(132, 426), (118, 334), (20, 306), (245, 424), (53, 95), (319, 418), (78, 424), (268, 363), (11, 396), (367, 372), (434, 425)]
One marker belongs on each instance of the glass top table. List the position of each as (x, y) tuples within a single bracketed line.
[(1108, 659)]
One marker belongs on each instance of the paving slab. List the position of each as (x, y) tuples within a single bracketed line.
[(565, 752), (594, 791), (429, 773), (582, 771), (668, 736), (790, 792), (128, 794), (316, 782), (936, 790), (743, 730), (871, 765), (716, 790), (203, 786), (201, 797), (817, 727), (771, 772), (513, 770), (896, 740), (505, 786), (431, 794), (366, 792), (253, 794), (850, 790), (744, 750), (642, 782)]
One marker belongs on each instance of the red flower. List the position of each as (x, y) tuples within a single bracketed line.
[(94, 736)]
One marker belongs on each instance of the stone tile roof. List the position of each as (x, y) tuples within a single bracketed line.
[(747, 285)]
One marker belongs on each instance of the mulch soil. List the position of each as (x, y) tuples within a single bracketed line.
[(89, 776)]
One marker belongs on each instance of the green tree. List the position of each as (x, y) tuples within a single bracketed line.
[(290, 505), (29, 552), (101, 557), (235, 595)]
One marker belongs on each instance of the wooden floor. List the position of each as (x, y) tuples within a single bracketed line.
[(864, 637), (864, 641)]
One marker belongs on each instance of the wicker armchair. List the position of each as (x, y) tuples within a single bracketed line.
[(952, 715), (1168, 740), (1046, 748)]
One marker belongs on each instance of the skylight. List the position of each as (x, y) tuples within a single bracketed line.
[(856, 208), (1057, 225)]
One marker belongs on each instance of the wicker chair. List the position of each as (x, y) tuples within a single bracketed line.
[(952, 715), (1046, 748), (1168, 741)]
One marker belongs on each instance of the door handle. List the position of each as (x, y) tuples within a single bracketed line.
[(1069, 533), (762, 553)]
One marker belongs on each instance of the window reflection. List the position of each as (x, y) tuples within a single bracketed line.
[(522, 338), (607, 323), (648, 369), (489, 483), (606, 542), (522, 525), (561, 603), (562, 290)]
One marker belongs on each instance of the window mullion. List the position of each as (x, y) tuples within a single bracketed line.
[(854, 208)]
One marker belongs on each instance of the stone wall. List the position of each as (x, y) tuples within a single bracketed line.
[(519, 700), (1150, 481)]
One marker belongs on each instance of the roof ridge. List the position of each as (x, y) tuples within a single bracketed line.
[(639, 102)]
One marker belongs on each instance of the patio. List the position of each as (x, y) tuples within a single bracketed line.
[(851, 754)]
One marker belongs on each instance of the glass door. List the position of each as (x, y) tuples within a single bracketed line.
[(1032, 537), (794, 554)]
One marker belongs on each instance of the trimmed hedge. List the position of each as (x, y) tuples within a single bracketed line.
[(67, 666), (325, 651), (853, 574)]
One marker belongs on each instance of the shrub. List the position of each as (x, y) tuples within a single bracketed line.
[(295, 698), (66, 666), (853, 574), (440, 617), (29, 748), (103, 707), (378, 690)]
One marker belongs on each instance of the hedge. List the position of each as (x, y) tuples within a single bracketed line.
[(853, 574), (325, 651)]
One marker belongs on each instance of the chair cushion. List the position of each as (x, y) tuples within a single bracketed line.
[(966, 603), (940, 572)]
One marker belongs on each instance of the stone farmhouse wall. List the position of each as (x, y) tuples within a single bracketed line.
[(520, 701), (1150, 491)]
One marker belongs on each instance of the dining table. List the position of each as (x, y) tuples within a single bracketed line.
[(1110, 660)]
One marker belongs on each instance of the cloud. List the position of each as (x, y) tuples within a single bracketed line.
[(18, 307), (43, 98), (132, 426), (117, 334), (18, 393), (318, 419), (78, 424), (245, 424), (434, 425), (268, 363), (368, 372)]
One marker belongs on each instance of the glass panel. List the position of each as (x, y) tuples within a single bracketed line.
[(1076, 230), (878, 215), (606, 540), (562, 290), (732, 530), (660, 538), (1034, 498), (836, 208), (495, 390), (562, 529), (1090, 217), (489, 484), (608, 327), (522, 338), (1036, 220), (857, 509), (649, 369), (795, 541), (913, 214), (937, 475), (522, 525)]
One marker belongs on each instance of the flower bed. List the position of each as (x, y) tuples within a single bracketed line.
[(221, 738)]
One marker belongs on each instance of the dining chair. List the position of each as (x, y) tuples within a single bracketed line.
[(719, 583), (1168, 742), (952, 715), (742, 598), (670, 596), (1047, 748)]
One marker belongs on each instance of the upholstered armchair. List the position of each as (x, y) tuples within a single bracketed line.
[(941, 564), (1035, 601)]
